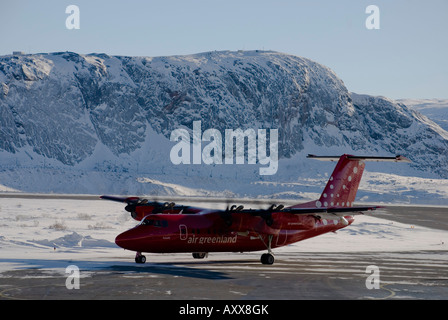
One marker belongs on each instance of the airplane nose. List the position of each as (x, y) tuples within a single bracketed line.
[(133, 239), (136, 239), (120, 240), (124, 240)]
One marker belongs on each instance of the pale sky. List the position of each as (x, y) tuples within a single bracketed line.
[(406, 58)]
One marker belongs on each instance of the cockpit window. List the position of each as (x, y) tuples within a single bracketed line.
[(155, 223), (147, 222)]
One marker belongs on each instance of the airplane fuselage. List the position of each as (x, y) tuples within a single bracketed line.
[(168, 233)]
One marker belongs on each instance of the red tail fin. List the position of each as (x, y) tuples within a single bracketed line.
[(343, 184)]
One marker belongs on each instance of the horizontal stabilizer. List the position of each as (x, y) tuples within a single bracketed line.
[(397, 158)]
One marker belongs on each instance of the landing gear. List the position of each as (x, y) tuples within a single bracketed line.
[(139, 258), (200, 255), (268, 258)]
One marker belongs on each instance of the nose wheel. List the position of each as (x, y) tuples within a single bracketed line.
[(139, 258)]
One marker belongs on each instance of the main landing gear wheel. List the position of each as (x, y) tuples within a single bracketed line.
[(267, 258), (139, 258), (200, 255)]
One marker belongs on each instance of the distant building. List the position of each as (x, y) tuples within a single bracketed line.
[(18, 53)]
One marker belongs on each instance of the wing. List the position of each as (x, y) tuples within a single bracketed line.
[(273, 219), (139, 208), (127, 200), (338, 211)]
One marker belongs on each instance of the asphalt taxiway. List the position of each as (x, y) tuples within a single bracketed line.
[(310, 276), (223, 276)]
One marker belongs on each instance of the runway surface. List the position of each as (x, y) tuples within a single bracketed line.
[(241, 276), (304, 276)]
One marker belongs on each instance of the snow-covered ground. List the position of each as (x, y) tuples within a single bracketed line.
[(51, 233)]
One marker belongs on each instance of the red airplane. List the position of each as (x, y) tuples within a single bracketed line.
[(170, 228)]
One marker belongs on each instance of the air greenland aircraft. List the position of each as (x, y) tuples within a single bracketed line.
[(171, 228)]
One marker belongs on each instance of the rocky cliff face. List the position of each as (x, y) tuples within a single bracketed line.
[(393, 127), (63, 105)]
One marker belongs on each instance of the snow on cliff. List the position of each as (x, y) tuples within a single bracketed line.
[(97, 123)]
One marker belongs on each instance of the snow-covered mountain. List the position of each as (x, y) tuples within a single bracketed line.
[(435, 109), (98, 123)]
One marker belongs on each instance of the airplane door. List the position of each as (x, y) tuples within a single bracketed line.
[(183, 232), (281, 238)]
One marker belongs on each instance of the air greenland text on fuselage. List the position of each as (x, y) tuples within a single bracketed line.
[(212, 153), (211, 240)]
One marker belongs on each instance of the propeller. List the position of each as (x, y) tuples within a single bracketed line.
[(226, 215), (133, 202), (266, 214)]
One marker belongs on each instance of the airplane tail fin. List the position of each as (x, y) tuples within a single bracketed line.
[(343, 184)]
